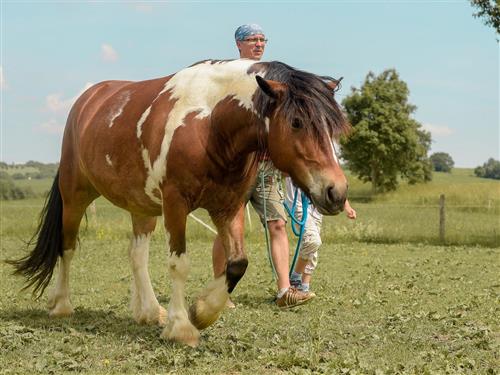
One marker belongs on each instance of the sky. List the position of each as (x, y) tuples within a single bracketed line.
[(51, 51)]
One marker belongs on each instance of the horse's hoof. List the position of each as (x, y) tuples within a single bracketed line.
[(152, 317), (61, 311), (182, 332), (201, 315)]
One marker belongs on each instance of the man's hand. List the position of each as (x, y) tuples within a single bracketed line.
[(350, 212)]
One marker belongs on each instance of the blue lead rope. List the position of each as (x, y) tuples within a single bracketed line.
[(295, 221)]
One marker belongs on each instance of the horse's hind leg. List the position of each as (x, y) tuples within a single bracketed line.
[(144, 305), (74, 204)]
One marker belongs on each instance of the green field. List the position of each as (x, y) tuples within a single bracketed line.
[(391, 298)]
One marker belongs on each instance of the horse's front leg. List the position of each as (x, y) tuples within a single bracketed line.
[(178, 327), (209, 305)]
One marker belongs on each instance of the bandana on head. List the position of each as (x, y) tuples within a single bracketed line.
[(244, 31)]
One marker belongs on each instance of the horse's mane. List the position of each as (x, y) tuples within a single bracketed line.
[(308, 99)]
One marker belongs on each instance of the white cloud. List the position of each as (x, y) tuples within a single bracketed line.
[(57, 104), (3, 83), (52, 127), (108, 53), (144, 8), (438, 130), (58, 107)]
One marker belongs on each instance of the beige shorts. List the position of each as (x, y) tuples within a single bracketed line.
[(271, 192)]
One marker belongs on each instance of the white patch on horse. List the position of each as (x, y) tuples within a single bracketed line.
[(212, 301), (117, 108), (144, 305), (198, 89), (141, 121), (59, 301), (266, 121), (334, 153), (150, 182), (108, 160), (179, 328)]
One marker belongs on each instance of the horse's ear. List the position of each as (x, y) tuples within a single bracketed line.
[(274, 89), (334, 84)]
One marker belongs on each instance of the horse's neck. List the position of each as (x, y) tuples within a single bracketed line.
[(236, 136)]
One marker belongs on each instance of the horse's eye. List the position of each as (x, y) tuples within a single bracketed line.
[(296, 124)]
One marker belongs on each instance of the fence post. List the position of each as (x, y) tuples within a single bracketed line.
[(441, 218)]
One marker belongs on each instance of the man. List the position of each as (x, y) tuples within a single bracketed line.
[(251, 42)]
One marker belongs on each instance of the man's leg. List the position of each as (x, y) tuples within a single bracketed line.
[(269, 196), (287, 296), (279, 251)]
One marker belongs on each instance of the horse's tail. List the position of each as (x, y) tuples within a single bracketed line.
[(37, 267)]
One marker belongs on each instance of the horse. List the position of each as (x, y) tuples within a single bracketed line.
[(167, 146)]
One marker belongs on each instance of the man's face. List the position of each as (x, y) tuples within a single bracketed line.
[(252, 47)]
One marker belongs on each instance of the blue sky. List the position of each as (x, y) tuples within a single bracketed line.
[(51, 51)]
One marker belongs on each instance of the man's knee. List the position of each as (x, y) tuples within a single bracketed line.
[(276, 226)]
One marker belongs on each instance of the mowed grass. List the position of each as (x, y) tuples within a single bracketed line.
[(384, 305)]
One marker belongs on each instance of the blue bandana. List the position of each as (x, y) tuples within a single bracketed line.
[(244, 31)]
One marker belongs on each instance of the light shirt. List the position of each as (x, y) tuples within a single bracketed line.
[(290, 195)]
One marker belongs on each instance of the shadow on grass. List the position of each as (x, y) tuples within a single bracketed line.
[(84, 321), (108, 323)]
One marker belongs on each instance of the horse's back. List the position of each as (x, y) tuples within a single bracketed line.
[(102, 143)]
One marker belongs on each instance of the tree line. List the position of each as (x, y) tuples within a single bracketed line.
[(10, 173)]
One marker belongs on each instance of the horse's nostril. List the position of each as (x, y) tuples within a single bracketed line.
[(330, 194), (333, 197)]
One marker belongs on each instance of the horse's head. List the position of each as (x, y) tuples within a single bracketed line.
[(303, 119)]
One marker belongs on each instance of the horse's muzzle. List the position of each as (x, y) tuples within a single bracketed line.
[(331, 201)]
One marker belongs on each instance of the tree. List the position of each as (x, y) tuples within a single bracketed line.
[(442, 162), (386, 143), (489, 11), (9, 190), (490, 169)]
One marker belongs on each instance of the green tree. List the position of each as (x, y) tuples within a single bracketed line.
[(442, 162), (489, 10), (9, 190), (490, 169), (386, 143)]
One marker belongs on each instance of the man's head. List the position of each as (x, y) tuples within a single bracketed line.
[(251, 41)]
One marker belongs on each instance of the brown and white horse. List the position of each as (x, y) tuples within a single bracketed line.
[(170, 145)]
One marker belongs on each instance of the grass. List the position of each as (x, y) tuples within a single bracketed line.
[(388, 308), (411, 213), (390, 301)]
